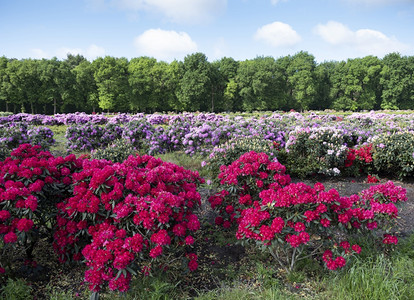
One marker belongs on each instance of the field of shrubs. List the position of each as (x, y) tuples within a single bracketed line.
[(206, 206)]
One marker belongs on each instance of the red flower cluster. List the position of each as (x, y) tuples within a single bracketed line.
[(123, 213), (363, 155), (29, 179), (242, 181), (289, 214), (372, 179)]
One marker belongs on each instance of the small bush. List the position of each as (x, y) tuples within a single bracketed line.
[(118, 151), (230, 151)]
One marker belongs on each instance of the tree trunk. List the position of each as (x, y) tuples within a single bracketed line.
[(212, 99), (54, 106), (32, 107), (7, 106)]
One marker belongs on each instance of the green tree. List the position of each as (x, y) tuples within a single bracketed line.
[(25, 84), (323, 73), (85, 86), (227, 94), (302, 79), (4, 83), (111, 77), (397, 82), (261, 84), (196, 84), (355, 84)]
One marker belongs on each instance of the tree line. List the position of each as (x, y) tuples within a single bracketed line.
[(144, 84)]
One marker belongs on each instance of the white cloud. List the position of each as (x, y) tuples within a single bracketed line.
[(366, 41), (278, 34), (220, 48), (37, 53), (64, 51), (92, 52), (274, 2), (178, 11), (335, 33), (164, 44)]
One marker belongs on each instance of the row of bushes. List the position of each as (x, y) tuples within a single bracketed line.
[(124, 219), (386, 154)]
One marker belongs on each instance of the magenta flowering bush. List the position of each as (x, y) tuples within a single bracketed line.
[(241, 183), (32, 182), (121, 219), (126, 218), (293, 220)]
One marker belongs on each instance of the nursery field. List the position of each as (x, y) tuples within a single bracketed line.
[(271, 205)]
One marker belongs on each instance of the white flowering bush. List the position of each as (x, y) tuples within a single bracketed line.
[(320, 150)]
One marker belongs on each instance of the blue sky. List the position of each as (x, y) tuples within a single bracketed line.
[(171, 29)]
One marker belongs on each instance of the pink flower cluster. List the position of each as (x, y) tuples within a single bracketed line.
[(242, 182), (289, 214), (126, 213), (27, 179)]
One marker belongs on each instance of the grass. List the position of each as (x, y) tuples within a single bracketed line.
[(181, 159), (377, 278)]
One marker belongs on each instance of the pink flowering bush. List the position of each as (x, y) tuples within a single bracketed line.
[(293, 220), (126, 218), (241, 183), (32, 182)]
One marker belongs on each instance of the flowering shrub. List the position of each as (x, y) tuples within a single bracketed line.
[(241, 183), (42, 136), (394, 154), (294, 219), (160, 142), (138, 133), (372, 178), (89, 136), (117, 151), (316, 150), (230, 151), (128, 217), (31, 183), (359, 160), (14, 134)]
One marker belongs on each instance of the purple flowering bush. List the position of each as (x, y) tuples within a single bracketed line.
[(90, 136)]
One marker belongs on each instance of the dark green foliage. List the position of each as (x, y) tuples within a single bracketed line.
[(117, 151), (394, 154), (264, 83)]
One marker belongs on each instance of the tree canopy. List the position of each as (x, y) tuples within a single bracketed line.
[(144, 84)]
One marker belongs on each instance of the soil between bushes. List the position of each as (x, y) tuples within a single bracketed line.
[(219, 257)]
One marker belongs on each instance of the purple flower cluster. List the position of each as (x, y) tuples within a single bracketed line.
[(90, 136)]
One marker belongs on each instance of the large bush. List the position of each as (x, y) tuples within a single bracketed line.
[(32, 182), (117, 151), (123, 219), (14, 134), (394, 154), (293, 220), (89, 136), (128, 218)]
